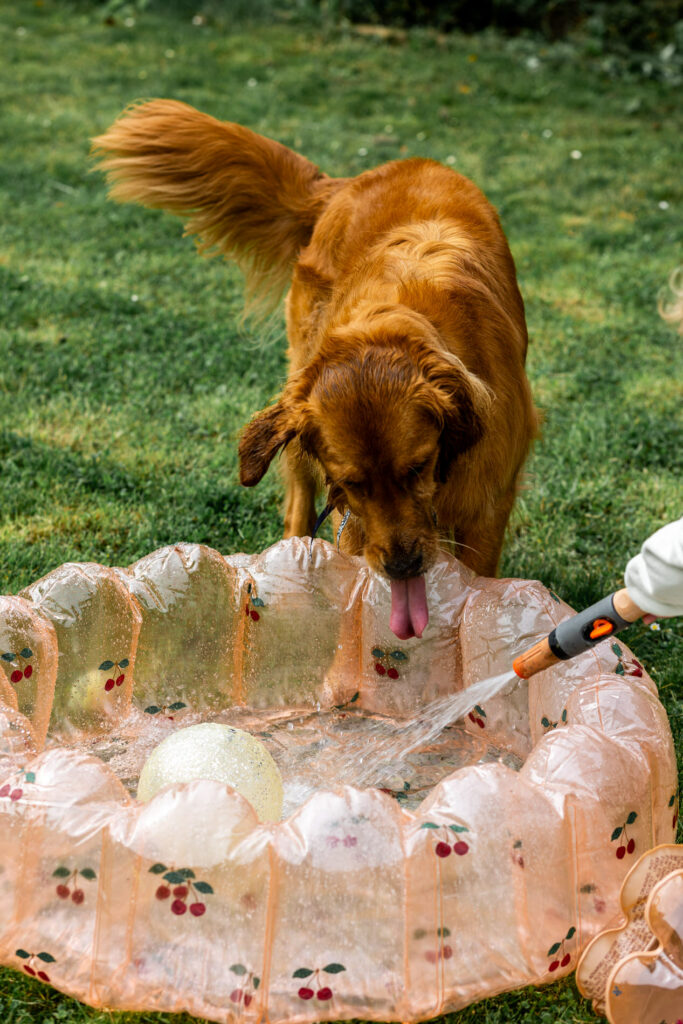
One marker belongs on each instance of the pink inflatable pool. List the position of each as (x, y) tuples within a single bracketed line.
[(487, 860)]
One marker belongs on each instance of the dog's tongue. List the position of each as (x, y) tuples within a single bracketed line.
[(409, 612)]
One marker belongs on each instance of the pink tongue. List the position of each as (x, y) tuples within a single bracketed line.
[(409, 612)]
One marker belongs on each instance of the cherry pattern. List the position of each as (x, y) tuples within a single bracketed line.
[(444, 847), (348, 841), (343, 706), (517, 855), (547, 724), (246, 987), (181, 888), (117, 677), (478, 716), (153, 709), (398, 794), (315, 986), (20, 664), (31, 967), (558, 954), (68, 886), (14, 790), (590, 889), (631, 667), (443, 951), (673, 804), (628, 845), (253, 604), (387, 662)]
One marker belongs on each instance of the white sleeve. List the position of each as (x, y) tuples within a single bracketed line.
[(654, 578)]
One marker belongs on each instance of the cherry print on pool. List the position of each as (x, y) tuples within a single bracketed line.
[(253, 604), (347, 703), (558, 954), (68, 887), (444, 845), (517, 855), (153, 709), (624, 667), (20, 664), (316, 986), (398, 794), (673, 803), (181, 884), (246, 986), (628, 843), (117, 677), (547, 724), (14, 790), (348, 841), (30, 965), (590, 889), (478, 716), (443, 951), (387, 663)]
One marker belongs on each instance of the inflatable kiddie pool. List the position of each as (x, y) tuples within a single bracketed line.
[(486, 859)]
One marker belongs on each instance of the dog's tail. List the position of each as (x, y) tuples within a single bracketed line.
[(251, 198)]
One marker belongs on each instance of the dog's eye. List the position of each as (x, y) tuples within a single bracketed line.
[(419, 468), (353, 485)]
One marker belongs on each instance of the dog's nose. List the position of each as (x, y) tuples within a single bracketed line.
[(403, 565)]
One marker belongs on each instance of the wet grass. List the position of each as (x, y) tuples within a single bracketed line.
[(125, 375)]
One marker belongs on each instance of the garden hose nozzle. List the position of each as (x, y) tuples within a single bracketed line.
[(584, 630)]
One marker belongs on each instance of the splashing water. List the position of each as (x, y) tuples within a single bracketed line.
[(389, 742), (361, 748), (339, 746)]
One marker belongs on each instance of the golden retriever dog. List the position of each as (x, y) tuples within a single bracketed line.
[(407, 396)]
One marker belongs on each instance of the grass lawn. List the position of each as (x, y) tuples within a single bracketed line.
[(125, 374)]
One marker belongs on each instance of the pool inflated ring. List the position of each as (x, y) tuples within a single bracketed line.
[(446, 887)]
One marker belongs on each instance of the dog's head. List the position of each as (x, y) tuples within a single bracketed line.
[(386, 412)]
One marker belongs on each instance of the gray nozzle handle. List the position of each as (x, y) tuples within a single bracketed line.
[(586, 629)]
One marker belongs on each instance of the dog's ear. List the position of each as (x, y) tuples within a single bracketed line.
[(273, 428), (261, 440), (461, 403)]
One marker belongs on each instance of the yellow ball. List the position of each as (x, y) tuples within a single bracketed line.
[(212, 751)]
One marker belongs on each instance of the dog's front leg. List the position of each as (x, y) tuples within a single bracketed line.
[(300, 490)]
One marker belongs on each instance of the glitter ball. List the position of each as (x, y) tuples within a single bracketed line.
[(663, 205), (576, 154), (219, 752)]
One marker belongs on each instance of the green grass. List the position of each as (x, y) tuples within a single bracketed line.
[(125, 375)]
